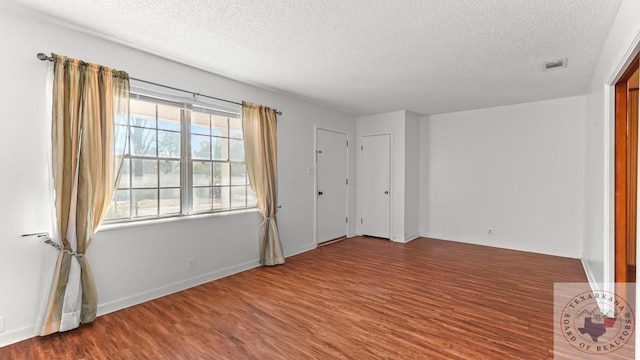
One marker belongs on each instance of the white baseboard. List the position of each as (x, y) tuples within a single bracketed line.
[(301, 249), (590, 278), (553, 252), (410, 237), (174, 288), (14, 336), (186, 284), (406, 239)]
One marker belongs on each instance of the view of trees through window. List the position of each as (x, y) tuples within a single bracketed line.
[(164, 177)]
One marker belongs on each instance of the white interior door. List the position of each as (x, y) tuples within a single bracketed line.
[(332, 172), (376, 174)]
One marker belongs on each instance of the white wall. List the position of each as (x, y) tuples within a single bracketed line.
[(412, 176), (393, 123), (133, 264), (598, 174), (516, 169)]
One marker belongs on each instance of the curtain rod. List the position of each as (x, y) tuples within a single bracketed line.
[(44, 57)]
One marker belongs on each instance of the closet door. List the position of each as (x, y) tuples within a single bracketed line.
[(376, 175)]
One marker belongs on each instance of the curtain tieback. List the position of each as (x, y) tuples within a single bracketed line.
[(60, 248)]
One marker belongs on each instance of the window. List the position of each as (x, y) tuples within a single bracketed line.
[(180, 160)]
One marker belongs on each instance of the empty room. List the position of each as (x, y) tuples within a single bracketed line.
[(319, 179)]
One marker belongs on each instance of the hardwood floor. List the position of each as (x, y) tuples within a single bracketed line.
[(360, 298)]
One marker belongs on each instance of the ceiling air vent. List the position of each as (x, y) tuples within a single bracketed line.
[(555, 64)]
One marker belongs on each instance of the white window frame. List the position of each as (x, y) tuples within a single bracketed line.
[(186, 107)]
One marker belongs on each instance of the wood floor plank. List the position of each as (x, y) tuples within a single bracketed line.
[(361, 298)]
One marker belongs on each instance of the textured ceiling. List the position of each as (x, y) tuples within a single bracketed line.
[(368, 56)]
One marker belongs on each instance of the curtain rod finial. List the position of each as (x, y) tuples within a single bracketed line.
[(42, 56)]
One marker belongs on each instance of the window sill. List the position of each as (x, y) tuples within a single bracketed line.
[(172, 219)]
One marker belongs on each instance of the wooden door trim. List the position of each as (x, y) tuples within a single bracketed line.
[(624, 182), (620, 180)]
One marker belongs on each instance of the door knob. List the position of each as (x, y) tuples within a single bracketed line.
[(386, 192), (319, 192)]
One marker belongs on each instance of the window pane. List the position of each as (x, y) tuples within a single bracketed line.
[(219, 126), (142, 121), (126, 173), (168, 144), (169, 173), (202, 199), (121, 119), (220, 148), (119, 208), (235, 128), (238, 196), (169, 201), (168, 125), (221, 197), (251, 199), (238, 174), (200, 147), (143, 141), (200, 123), (145, 173), (237, 150), (168, 117), (143, 109), (201, 173), (222, 174), (145, 203)]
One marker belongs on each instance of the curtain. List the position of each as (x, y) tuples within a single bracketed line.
[(88, 101), (261, 157)]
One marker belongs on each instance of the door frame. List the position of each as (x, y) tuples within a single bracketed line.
[(623, 203), (391, 182), (616, 73), (315, 179)]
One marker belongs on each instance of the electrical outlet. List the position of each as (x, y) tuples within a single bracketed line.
[(490, 231), (1, 324), (191, 263)]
